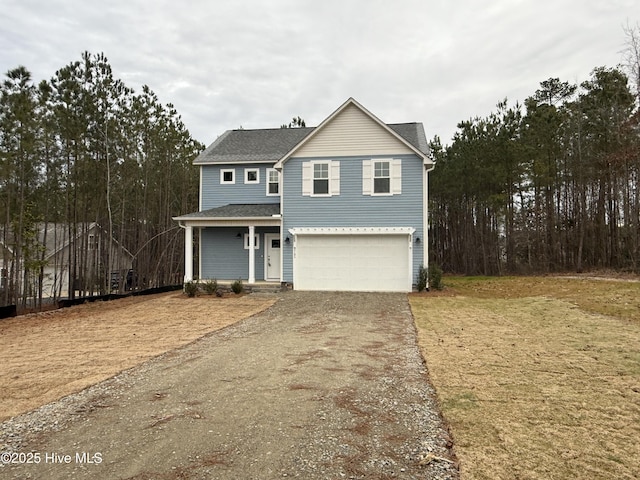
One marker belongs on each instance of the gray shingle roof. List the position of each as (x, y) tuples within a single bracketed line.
[(238, 210), (412, 133), (271, 144)]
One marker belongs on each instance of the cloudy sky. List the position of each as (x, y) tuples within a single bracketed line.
[(256, 64)]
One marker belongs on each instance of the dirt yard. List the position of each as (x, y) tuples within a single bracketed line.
[(539, 378), (44, 356)]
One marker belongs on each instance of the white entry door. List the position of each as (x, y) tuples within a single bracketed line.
[(272, 258)]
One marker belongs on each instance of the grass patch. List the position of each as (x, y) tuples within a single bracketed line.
[(620, 299), (538, 377)]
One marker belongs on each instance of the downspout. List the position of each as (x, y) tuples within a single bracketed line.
[(425, 219), (282, 235)]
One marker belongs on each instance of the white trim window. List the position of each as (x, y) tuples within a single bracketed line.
[(227, 176), (251, 175), (273, 182), (256, 240), (320, 184), (382, 176), (321, 178)]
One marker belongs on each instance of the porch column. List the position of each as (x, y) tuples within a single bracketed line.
[(252, 254), (188, 253)]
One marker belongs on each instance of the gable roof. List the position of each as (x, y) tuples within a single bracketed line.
[(420, 147), (271, 145)]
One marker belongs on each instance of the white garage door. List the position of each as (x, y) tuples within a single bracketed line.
[(367, 263)]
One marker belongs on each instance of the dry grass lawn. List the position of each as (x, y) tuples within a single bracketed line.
[(539, 377), (48, 355)]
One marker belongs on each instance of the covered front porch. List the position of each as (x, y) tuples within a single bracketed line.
[(234, 242)]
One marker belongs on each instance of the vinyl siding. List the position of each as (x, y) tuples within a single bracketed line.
[(223, 256), (213, 194), (352, 133), (351, 208)]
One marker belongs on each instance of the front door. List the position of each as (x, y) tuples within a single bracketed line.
[(272, 260)]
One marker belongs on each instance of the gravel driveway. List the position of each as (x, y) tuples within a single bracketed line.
[(319, 386)]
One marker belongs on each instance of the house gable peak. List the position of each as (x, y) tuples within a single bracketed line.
[(353, 130)]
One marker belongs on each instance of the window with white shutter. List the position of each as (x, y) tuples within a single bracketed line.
[(334, 172), (396, 176), (382, 176), (321, 178), (306, 179)]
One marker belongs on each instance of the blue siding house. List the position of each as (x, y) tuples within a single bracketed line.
[(342, 206)]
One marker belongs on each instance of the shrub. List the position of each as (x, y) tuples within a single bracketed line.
[(422, 278), (211, 286), (435, 277), (237, 287), (191, 289)]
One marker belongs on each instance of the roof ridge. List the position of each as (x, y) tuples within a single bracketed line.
[(293, 128), (268, 128)]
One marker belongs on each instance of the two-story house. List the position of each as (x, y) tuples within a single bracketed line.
[(342, 206)]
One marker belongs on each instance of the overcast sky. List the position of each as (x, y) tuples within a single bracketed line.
[(256, 64)]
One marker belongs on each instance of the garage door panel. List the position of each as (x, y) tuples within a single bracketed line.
[(352, 262)]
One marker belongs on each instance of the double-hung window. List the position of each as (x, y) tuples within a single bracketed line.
[(381, 177), (273, 182), (321, 178)]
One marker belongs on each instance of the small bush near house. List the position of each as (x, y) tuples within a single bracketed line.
[(422, 278), (435, 277), (211, 286), (237, 287), (191, 289)]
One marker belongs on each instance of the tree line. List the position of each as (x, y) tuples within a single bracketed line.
[(83, 148), (551, 185), (548, 185)]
